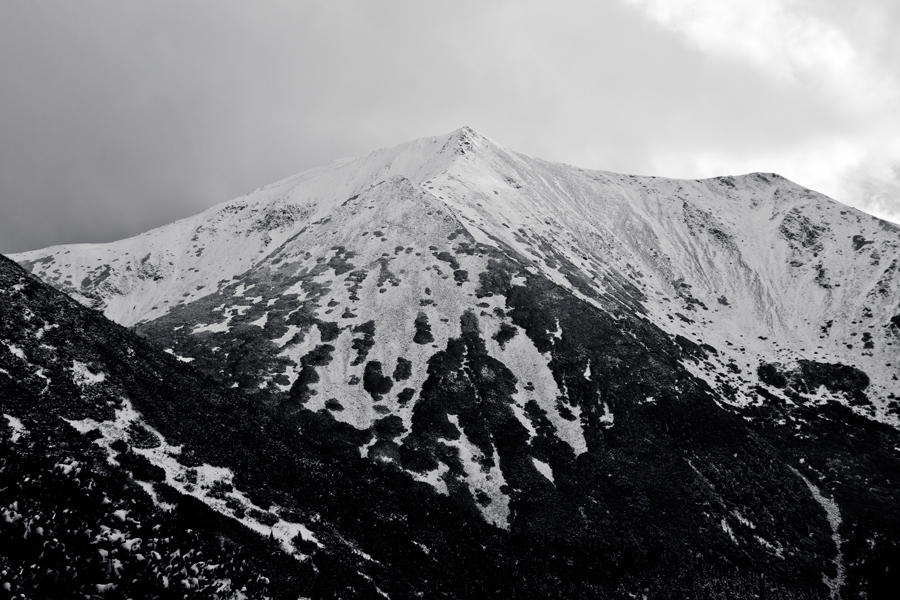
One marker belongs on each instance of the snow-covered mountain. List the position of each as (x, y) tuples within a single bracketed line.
[(539, 342), (755, 266), (115, 483)]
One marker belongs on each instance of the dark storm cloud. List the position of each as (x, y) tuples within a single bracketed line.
[(117, 117)]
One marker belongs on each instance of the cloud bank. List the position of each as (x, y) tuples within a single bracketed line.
[(116, 117), (795, 44)]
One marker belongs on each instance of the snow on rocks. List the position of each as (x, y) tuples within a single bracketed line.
[(543, 468), (210, 484), (18, 429), (833, 512), (483, 482), (536, 382), (16, 351), (84, 376)]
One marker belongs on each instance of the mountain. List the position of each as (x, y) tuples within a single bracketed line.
[(636, 383), (125, 473)]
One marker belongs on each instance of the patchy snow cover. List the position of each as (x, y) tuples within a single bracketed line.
[(180, 358), (727, 529), (755, 268), (833, 512), (194, 481), (487, 481), (536, 382), (18, 429), (16, 351), (752, 265), (84, 376)]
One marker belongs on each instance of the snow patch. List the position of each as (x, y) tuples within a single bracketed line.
[(241, 288), (292, 330), (199, 482), (18, 429), (833, 511), (742, 519), (557, 334), (479, 478), (83, 376), (16, 351), (260, 322), (727, 529), (607, 418), (778, 551), (543, 468), (184, 359), (213, 327), (434, 478)]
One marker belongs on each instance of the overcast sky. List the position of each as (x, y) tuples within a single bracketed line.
[(116, 117)]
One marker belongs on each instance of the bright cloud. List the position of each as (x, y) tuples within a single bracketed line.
[(781, 38), (787, 41)]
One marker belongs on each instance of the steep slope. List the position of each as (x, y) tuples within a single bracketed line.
[(761, 269), (125, 473), (588, 359), (115, 481)]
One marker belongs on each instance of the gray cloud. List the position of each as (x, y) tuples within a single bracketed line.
[(117, 117)]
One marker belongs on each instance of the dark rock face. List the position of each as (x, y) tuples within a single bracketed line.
[(809, 376)]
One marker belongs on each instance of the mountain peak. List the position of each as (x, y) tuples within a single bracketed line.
[(549, 348)]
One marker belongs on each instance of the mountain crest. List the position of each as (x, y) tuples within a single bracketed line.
[(698, 257)]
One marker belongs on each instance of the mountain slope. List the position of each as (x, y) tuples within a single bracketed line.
[(116, 481), (583, 358), (125, 472), (755, 266)]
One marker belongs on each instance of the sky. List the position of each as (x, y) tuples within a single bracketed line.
[(117, 117)]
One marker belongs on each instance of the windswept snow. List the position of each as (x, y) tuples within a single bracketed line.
[(210, 484)]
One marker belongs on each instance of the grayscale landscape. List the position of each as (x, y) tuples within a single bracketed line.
[(447, 368)]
